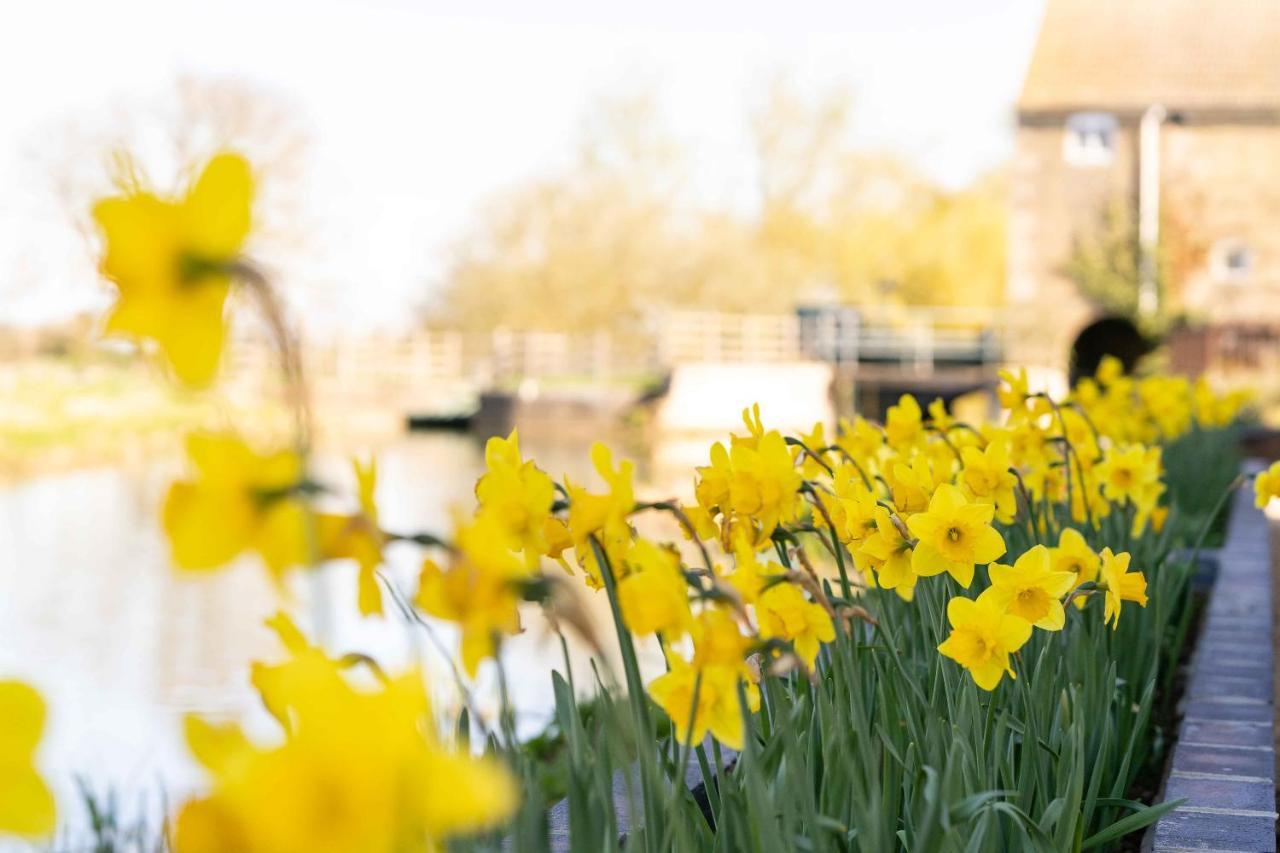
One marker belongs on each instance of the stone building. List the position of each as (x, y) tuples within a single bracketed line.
[(1167, 114)]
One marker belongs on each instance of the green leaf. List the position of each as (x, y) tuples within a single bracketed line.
[(1147, 816)]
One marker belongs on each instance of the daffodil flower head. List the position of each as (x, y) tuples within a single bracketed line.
[(785, 613), (238, 500), (1121, 585), (602, 515), (816, 442), (360, 770), (1130, 473), (987, 478), (480, 589), (1267, 486), (1110, 370), (904, 425), (654, 595), (861, 440), (750, 575), (888, 553), (171, 263), (700, 700), (939, 418), (982, 638), (357, 537), (1031, 589), (718, 640), (1073, 554), (27, 806), (912, 483), (954, 535), (518, 494)]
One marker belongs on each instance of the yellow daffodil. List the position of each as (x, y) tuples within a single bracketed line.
[(717, 708), (306, 670), (357, 771), (904, 426), (750, 575), (718, 640), (858, 515), (357, 537), (1130, 473), (765, 484), (816, 442), (954, 536), (171, 261), (912, 484), (1121, 585), (603, 515), (888, 553), (26, 803), (987, 478), (939, 418), (785, 613), (982, 638), (518, 493), (239, 500), (1110, 370), (862, 441), (654, 596), (479, 591), (1073, 554), (1168, 403), (754, 484), (1267, 486), (1031, 589), (1014, 393)]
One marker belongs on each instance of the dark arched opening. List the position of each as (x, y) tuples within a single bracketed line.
[(1114, 336)]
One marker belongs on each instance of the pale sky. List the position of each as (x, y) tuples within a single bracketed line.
[(420, 112)]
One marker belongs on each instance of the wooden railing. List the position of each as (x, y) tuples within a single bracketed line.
[(919, 340)]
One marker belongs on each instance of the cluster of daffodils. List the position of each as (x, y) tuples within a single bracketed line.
[(787, 546)]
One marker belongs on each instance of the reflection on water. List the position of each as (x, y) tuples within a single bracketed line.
[(121, 646)]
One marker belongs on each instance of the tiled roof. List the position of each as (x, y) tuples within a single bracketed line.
[(1118, 54)]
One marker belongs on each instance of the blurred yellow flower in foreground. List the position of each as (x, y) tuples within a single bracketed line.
[(171, 261), (26, 804), (358, 770), (239, 500)]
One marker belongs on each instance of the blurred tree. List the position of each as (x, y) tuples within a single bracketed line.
[(1104, 262), (610, 238), (586, 248)]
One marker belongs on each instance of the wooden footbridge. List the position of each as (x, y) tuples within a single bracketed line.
[(872, 354)]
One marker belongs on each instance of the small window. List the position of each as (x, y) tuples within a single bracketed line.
[(1090, 139), (1232, 260)]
